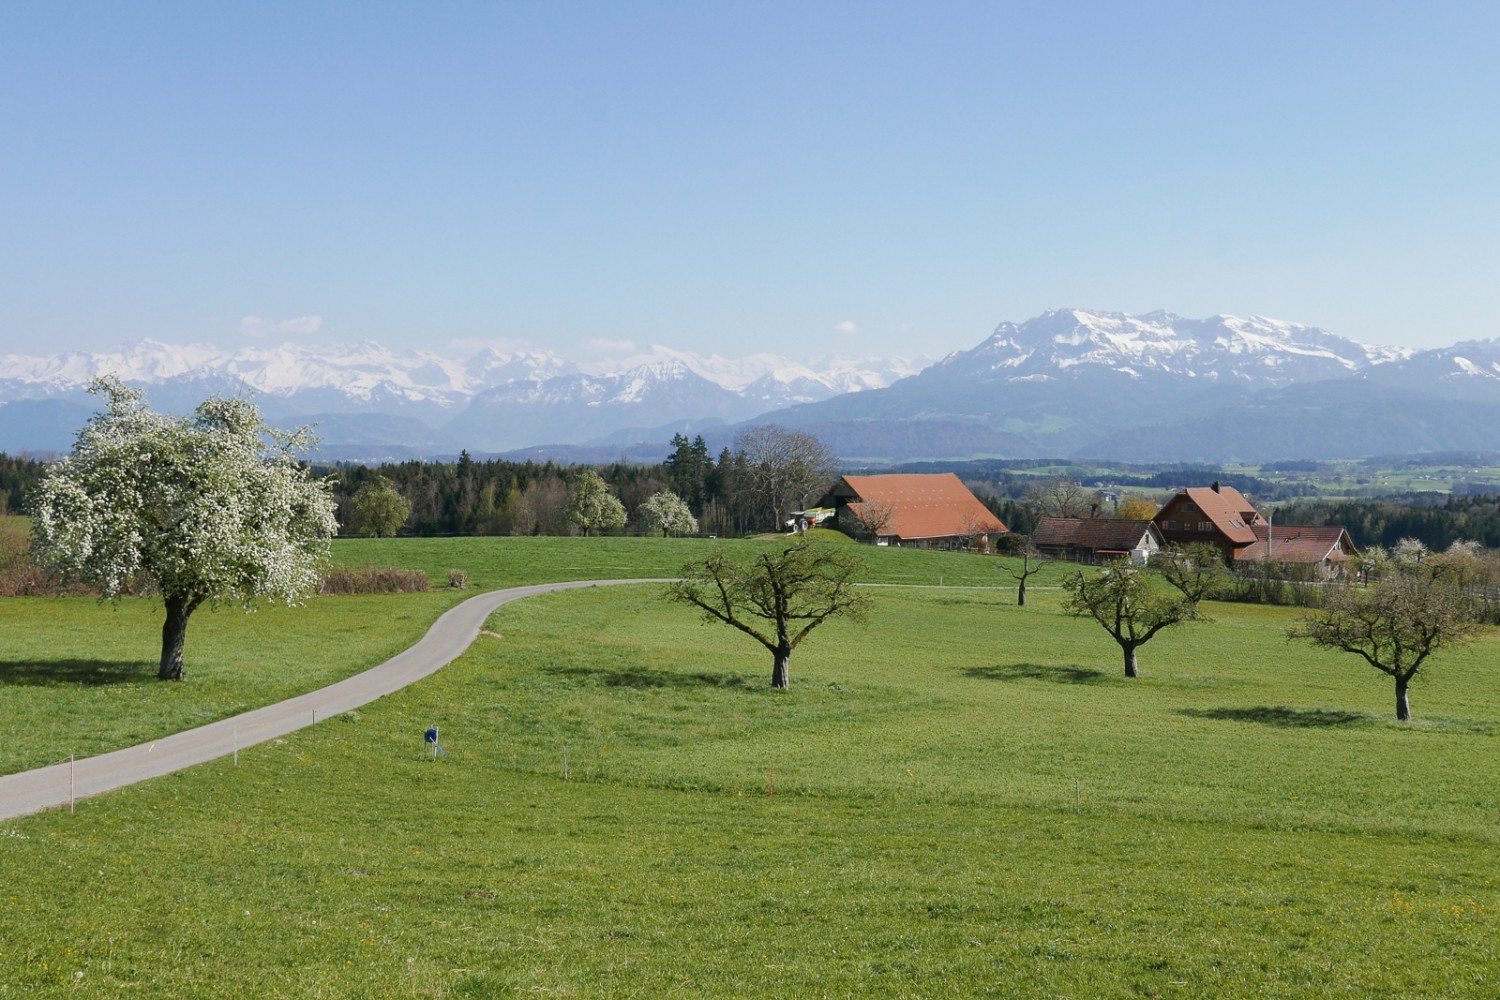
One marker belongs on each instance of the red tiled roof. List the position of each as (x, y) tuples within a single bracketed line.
[(924, 506), (1298, 544), (1095, 534), (1226, 507)]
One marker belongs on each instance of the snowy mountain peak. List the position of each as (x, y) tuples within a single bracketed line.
[(1223, 347)]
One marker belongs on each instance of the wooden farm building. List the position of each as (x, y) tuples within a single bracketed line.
[(1218, 515), (930, 511), (1096, 540), (1221, 516), (1328, 548)]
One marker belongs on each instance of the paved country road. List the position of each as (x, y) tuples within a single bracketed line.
[(450, 635)]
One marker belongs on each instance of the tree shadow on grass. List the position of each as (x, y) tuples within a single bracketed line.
[(1280, 716), (87, 673), (1057, 673), (637, 678)]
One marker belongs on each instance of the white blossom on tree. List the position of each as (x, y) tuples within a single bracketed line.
[(209, 508), (591, 505), (668, 513)]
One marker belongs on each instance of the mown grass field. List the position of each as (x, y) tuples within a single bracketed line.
[(969, 800), (79, 677)]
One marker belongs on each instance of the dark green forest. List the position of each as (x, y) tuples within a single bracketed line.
[(500, 497)]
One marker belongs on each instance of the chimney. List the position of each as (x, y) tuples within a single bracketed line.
[(1216, 486)]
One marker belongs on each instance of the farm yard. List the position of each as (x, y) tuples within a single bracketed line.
[(962, 797)]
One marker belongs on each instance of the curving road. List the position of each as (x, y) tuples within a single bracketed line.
[(48, 787)]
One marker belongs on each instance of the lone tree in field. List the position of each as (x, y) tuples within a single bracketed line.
[(1123, 601), (805, 583), (668, 513), (200, 506), (378, 509), (1395, 627), (591, 505), (1027, 571)]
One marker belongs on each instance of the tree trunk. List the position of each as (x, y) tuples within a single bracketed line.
[(1021, 595), (174, 635), (1403, 709), (781, 673), (1130, 665)]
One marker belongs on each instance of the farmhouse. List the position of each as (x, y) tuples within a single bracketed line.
[(1218, 515), (1096, 540), (1221, 516), (1328, 549), (936, 511)]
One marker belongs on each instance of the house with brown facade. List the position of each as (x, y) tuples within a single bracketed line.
[(1218, 515), (929, 511), (1221, 516)]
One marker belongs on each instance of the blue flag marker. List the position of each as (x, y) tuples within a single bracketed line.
[(431, 736)]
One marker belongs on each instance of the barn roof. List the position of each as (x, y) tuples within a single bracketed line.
[(1293, 543), (921, 506), (1095, 534), (1225, 506)]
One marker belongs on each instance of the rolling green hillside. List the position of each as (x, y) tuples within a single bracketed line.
[(968, 800)]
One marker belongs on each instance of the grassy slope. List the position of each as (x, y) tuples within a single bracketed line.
[(1249, 823), (79, 676)]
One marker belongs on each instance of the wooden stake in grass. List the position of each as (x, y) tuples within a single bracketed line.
[(565, 763), (70, 784)]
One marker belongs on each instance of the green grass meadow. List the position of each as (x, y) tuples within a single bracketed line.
[(969, 800)]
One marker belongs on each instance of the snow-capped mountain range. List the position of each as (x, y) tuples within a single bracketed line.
[(368, 370), (1097, 384), (1254, 351), (493, 400)]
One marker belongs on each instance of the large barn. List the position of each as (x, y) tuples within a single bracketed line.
[(930, 511)]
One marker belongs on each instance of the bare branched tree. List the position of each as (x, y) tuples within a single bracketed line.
[(1126, 605), (1058, 496), (805, 582), (1394, 627), (785, 470), (872, 517)]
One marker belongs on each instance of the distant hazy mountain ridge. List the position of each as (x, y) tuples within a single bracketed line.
[(428, 402), (1156, 387)]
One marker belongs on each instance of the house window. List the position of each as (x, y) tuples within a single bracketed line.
[(1205, 526)]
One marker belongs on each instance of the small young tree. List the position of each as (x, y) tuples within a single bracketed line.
[(1123, 601), (669, 513), (591, 506), (1197, 571), (1394, 627), (195, 505), (1027, 552), (378, 509), (805, 582)]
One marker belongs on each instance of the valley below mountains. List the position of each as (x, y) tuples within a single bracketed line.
[(1068, 383)]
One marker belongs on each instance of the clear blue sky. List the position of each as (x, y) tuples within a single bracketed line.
[(742, 177)]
